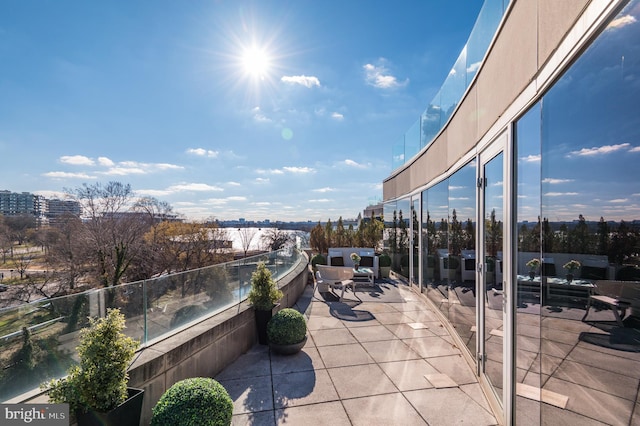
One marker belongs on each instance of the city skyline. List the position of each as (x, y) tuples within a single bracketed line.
[(281, 110)]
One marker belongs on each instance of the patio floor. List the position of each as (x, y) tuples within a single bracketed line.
[(378, 357)]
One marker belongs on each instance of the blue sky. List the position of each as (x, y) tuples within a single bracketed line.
[(281, 110)]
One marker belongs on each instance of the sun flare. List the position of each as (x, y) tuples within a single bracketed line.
[(256, 62)]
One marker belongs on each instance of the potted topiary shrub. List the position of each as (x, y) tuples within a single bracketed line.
[(287, 332), (317, 259), (194, 401), (263, 296), (96, 389), (384, 262)]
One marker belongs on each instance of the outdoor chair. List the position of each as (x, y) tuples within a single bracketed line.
[(334, 277)]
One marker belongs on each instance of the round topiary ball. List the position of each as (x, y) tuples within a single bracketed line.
[(287, 327), (194, 401)]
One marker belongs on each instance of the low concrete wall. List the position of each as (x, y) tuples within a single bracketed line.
[(205, 349)]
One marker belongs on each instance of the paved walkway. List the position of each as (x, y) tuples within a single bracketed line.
[(375, 358)]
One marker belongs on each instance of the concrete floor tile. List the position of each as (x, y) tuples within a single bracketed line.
[(423, 315), (302, 388), (621, 385), (455, 367), (605, 361), (393, 318), (327, 337), (307, 359), (389, 409), (262, 418), (409, 375), (250, 394), (360, 380), (449, 406), (323, 414), (408, 306), (320, 323), (389, 350), (343, 355), (372, 333), (474, 391), (440, 380), (358, 324), (428, 347), (404, 331), (592, 403), (254, 363), (376, 307)]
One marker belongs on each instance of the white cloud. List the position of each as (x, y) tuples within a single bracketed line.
[(125, 171), (474, 67), (259, 116), (303, 80), (379, 76), (337, 116), (325, 189), (553, 181), (106, 162), (231, 183), (601, 150), (77, 160), (622, 21), (199, 187), (237, 198), (619, 200), (560, 194), (125, 168), (320, 200), (261, 204), (201, 152), (66, 175), (355, 164), (531, 159), (299, 170), (262, 180)]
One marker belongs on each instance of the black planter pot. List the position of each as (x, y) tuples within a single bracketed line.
[(125, 414), (262, 318), (288, 349)]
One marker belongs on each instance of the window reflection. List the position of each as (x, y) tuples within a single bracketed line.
[(462, 253), (587, 288), (437, 229)]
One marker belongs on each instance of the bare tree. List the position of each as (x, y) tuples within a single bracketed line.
[(274, 238), (112, 234), (246, 237)]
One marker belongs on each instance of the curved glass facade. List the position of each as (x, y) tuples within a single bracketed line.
[(572, 215), (439, 110)]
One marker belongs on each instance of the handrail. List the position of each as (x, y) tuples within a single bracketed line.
[(153, 308)]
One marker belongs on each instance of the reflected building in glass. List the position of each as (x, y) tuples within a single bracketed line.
[(514, 207)]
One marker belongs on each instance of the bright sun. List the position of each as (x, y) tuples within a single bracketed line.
[(256, 62)]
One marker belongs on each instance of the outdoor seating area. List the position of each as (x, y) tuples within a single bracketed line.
[(341, 256)]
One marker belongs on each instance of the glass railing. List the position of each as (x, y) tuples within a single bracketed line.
[(440, 109), (38, 339)]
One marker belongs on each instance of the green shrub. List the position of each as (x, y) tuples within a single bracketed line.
[(100, 381), (195, 401), (384, 261), (264, 292), (287, 327), (318, 259)]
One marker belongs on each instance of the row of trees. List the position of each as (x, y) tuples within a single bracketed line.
[(121, 238), (367, 234)]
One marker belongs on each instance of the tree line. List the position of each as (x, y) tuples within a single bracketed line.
[(119, 238)]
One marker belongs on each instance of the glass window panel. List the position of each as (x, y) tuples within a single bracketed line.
[(430, 122), (462, 253), (437, 219), (402, 234), (412, 140), (453, 87)]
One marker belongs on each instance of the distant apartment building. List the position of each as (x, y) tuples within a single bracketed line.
[(43, 209), (15, 203), (56, 209)]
